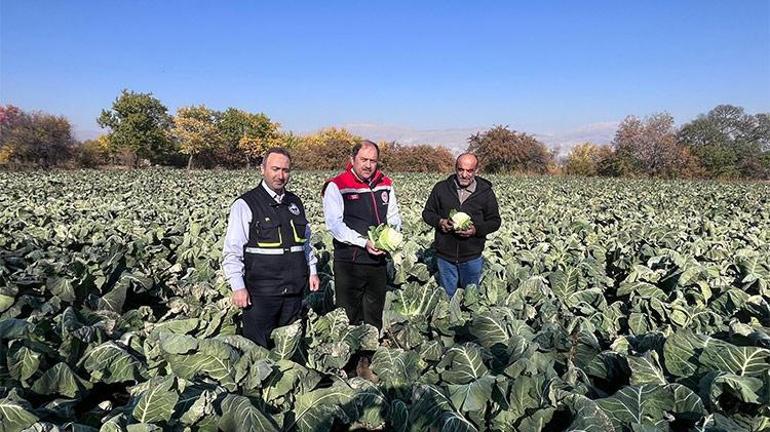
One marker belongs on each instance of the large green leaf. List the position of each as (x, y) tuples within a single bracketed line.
[(196, 406), (15, 417), (742, 388), (157, 402), (287, 340), (111, 363), (23, 362), (587, 416), (644, 405), (645, 369), (239, 414), (681, 351), (189, 357), (14, 328), (566, 283), (743, 361), (687, 404), (396, 367), (430, 407), (462, 364), (288, 377), (61, 380), (317, 409), (472, 396), (496, 325)]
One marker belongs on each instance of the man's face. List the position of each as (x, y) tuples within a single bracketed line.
[(275, 171), (466, 170), (365, 162)]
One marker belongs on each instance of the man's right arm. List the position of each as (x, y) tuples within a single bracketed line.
[(236, 237), (334, 208)]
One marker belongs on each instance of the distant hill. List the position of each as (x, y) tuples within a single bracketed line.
[(456, 139)]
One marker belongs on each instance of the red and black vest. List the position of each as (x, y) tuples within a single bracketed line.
[(366, 205), (274, 256)]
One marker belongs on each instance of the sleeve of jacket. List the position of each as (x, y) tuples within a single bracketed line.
[(492, 218), (312, 260), (334, 208), (394, 215), (236, 237), (430, 214)]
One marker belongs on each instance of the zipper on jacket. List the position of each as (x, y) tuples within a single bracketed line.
[(374, 204), (457, 243)]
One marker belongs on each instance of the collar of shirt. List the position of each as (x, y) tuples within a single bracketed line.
[(469, 189), (277, 197)]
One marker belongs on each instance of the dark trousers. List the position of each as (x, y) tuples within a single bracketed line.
[(360, 289), (267, 313)]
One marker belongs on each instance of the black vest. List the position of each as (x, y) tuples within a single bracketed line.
[(274, 256), (365, 205)]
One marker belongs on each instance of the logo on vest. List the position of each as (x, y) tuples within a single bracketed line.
[(294, 209), (384, 196)]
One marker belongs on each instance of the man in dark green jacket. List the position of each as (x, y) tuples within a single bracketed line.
[(458, 251)]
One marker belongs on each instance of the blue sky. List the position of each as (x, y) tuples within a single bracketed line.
[(540, 67)]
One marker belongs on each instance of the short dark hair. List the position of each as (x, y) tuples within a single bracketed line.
[(276, 150), (361, 144)]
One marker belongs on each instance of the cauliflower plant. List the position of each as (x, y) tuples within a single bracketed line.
[(461, 220)]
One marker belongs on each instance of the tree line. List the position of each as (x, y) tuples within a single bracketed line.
[(725, 143)]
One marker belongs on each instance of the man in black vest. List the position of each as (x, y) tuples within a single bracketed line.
[(267, 257)]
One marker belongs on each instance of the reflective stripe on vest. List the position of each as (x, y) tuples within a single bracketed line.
[(297, 237), (272, 251)]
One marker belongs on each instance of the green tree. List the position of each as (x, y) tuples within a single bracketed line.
[(195, 129), (245, 136), (583, 160), (139, 123), (500, 149), (729, 142), (93, 153)]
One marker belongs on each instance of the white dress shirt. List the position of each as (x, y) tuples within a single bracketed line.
[(238, 235)]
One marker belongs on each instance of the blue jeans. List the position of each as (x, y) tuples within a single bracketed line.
[(466, 273)]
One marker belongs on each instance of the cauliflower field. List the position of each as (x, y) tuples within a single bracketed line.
[(605, 305)]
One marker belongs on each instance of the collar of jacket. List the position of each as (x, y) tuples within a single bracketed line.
[(373, 181), (482, 185)]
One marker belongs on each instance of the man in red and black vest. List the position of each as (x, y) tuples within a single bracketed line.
[(358, 198), (267, 257)]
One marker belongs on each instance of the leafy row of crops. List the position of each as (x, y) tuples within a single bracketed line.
[(605, 305)]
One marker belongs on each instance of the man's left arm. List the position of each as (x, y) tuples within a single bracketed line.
[(312, 260), (492, 218), (394, 216)]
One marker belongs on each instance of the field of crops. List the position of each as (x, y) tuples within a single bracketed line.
[(605, 305)]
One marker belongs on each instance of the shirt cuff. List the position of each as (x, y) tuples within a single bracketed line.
[(237, 284), (313, 270), (361, 242)]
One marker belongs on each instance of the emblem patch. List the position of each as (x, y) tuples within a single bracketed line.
[(384, 196), (352, 197), (294, 209)]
